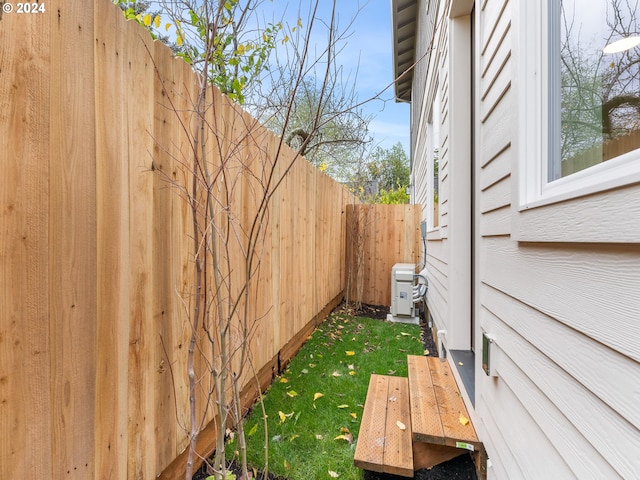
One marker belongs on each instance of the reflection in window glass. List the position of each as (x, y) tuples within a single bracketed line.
[(598, 75)]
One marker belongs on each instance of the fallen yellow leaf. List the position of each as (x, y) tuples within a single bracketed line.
[(283, 380), (253, 430), (282, 416), (343, 406), (350, 353), (317, 395), (293, 437), (401, 425), (342, 437), (463, 420), (354, 415), (352, 373), (336, 374), (287, 465), (292, 393)]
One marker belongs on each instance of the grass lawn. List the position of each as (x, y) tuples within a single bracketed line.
[(314, 408)]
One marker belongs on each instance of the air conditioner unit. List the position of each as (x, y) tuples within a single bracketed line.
[(403, 276)]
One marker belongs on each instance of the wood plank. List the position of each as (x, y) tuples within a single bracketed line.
[(139, 114), (426, 424), (369, 454), (25, 397), (72, 237), (450, 405), (163, 251), (398, 444), (112, 205)]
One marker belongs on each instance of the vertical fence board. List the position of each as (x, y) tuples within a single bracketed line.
[(112, 203), (164, 296), (142, 338), (25, 407), (72, 234)]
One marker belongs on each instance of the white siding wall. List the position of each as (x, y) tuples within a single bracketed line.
[(564, 308)]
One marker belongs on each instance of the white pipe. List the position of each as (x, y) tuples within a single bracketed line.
[(441, 334)]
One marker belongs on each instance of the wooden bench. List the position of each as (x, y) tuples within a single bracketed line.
[(429, 405), (383, 445), (439, 416)]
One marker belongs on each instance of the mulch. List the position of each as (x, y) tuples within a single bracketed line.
[(459, 468)]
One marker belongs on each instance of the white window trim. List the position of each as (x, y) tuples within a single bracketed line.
[(533, 94)]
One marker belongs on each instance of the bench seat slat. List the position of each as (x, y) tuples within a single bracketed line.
[(381, 445), (425, 418), (398, 447)]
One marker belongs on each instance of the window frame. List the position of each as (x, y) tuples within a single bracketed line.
[(537, 100)]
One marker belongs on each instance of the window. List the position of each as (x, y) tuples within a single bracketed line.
[(578, 86), (595, 84)]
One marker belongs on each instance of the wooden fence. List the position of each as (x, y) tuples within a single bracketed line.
[(381, 236), (95, 248), (96, 260)]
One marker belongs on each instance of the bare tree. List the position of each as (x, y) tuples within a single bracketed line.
[(326, 124), (219, 173)]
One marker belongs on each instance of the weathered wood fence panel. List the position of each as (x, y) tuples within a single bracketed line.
[(96, 258), (379, 236)]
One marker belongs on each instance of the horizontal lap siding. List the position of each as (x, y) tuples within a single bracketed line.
[(564, 315)]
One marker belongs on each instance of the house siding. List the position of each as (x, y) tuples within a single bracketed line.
[(563, 303)]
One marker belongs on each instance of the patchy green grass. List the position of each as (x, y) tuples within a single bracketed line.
[(314, 408)]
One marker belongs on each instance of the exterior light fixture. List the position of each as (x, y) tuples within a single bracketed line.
[(622, 45)]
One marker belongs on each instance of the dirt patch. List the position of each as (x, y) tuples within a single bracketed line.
[(377, 312), (459, 468)]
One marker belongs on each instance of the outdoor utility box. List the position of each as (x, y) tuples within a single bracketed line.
[(402, 282)]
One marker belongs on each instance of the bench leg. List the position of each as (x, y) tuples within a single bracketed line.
[(428, 455), (480, 459)]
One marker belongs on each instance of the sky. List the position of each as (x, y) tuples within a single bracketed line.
[(368, 51), (371, 40)]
